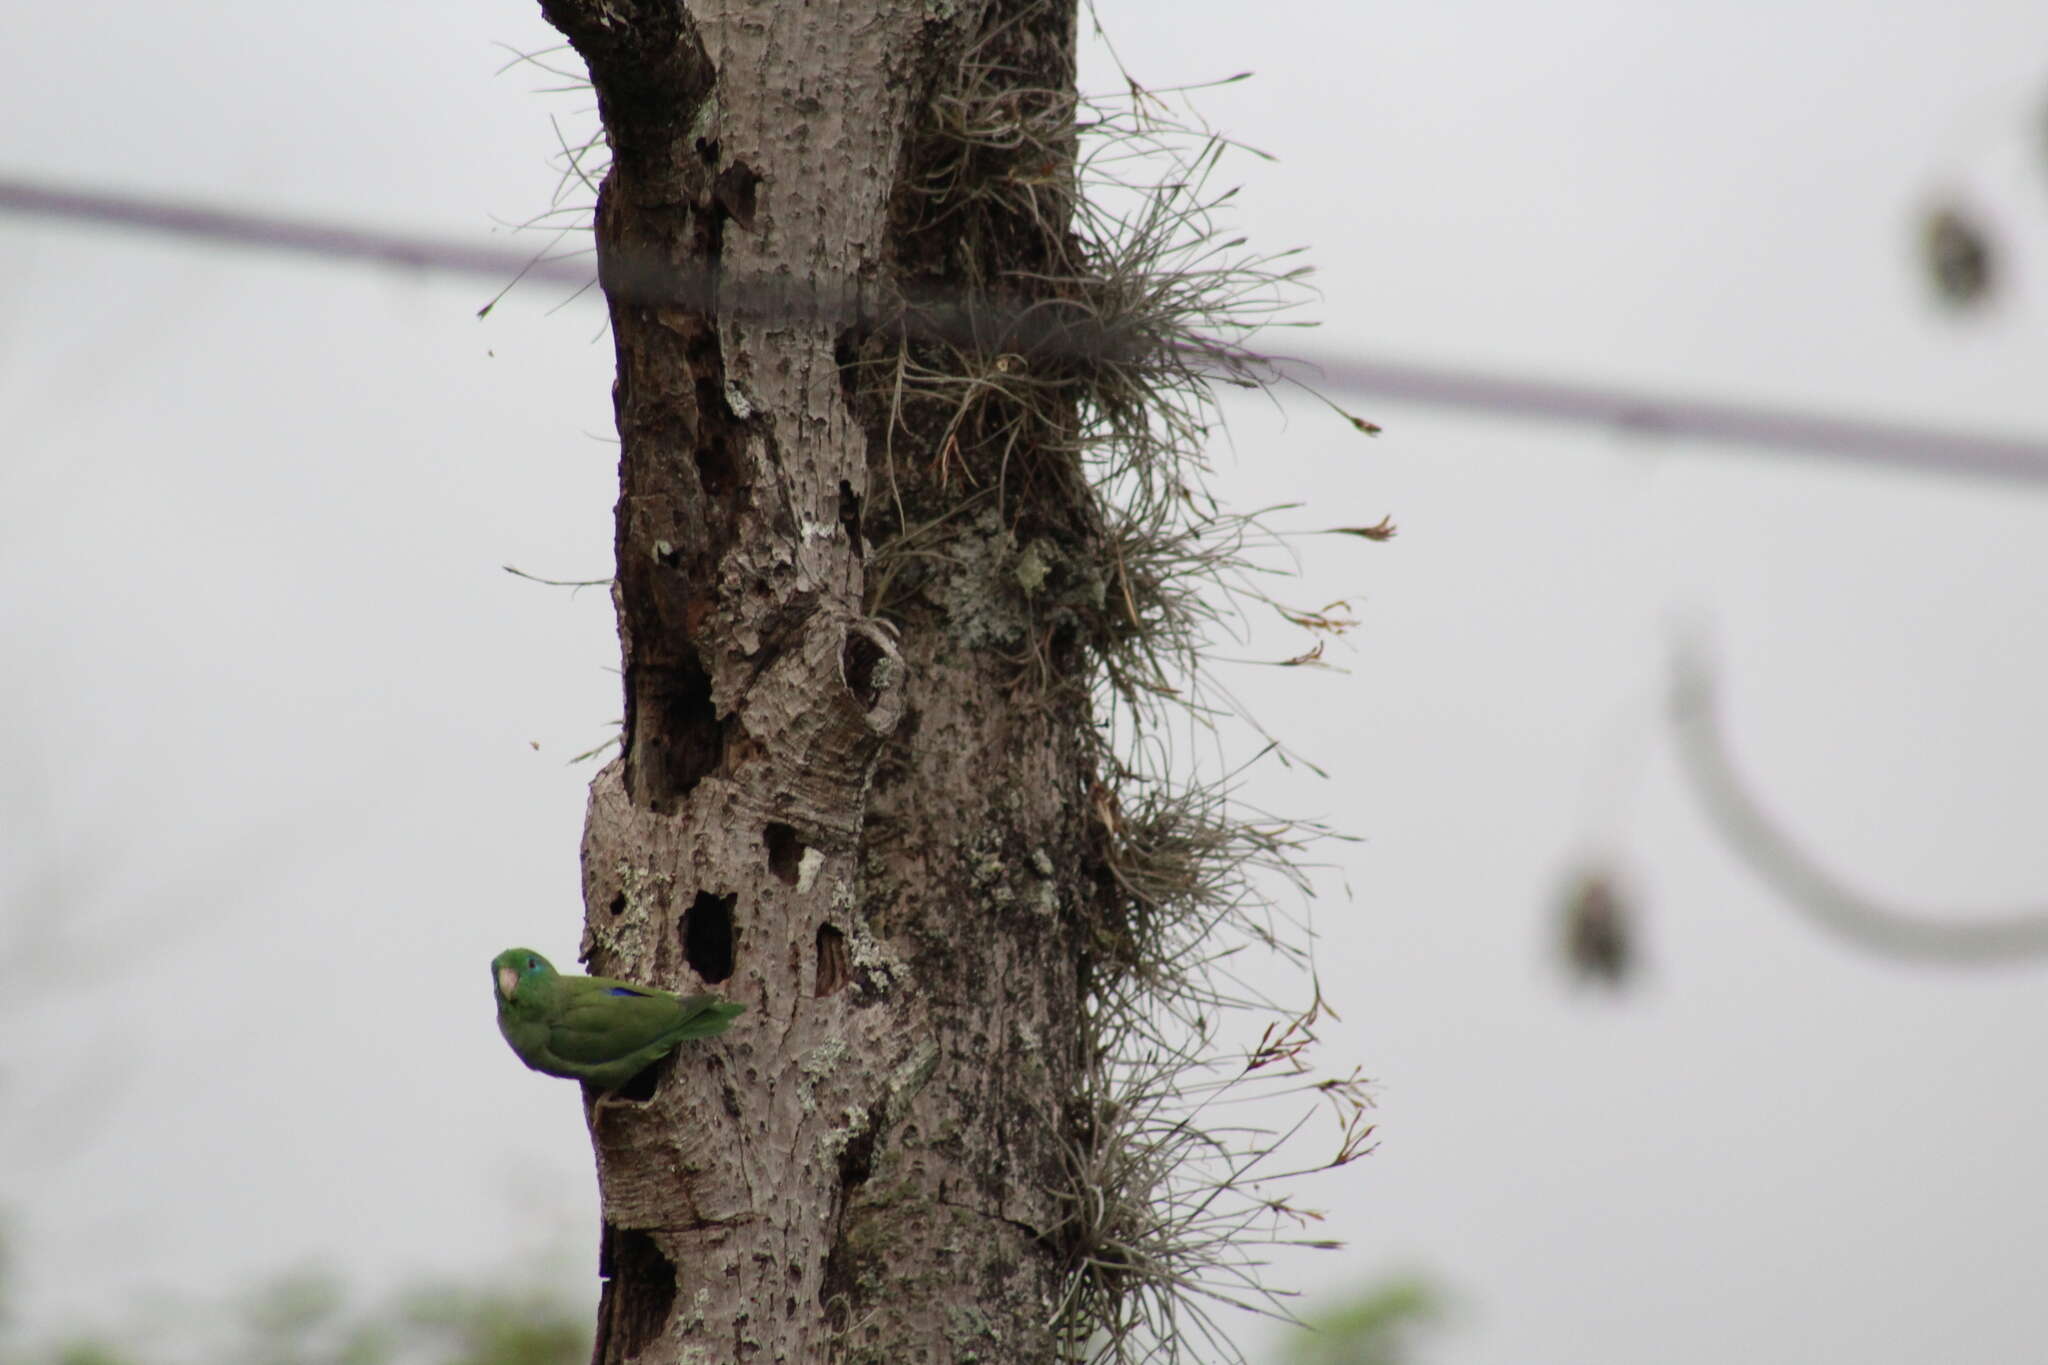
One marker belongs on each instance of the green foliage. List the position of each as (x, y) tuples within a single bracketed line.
[(1376, 1327), (307, 1318), (484, 1326)]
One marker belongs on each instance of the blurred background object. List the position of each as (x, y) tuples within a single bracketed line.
[(1958, 257), (1599, 931)]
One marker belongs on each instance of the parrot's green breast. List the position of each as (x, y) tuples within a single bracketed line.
[(592, 1028)]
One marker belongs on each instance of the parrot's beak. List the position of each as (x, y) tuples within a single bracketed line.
[(508, 981)]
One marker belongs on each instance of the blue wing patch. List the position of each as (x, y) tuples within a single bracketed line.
[(626, 990)]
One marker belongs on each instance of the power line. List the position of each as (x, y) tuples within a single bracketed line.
[(1902, 445), (166, 217)]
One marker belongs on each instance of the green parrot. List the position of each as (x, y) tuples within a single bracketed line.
[(592, 1028)]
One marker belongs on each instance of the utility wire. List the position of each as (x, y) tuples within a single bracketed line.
[(170, 218), (1907, 446), (1901, 445)]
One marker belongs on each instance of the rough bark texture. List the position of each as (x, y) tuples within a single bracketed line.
[(854, 828)]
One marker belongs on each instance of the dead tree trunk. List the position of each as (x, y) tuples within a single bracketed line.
[(861, 810)]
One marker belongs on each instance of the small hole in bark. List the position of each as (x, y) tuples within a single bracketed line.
[(618, 903), (859, 660), (681, 737), (845, 351), (708, 936), (785, 851), (834, 968), (849, 515), (639, 1089), (857, 1162), (714, 466), (639, 1290)]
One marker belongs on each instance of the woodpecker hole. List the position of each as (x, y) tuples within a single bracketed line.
[(639, 1089), (849, 515), (858, 662), (716, 472), (708, 936), (785, 851), (835, 969), (639, 1288), (857, 1161), (683, 738)]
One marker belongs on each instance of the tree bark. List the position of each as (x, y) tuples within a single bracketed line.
[(863, 829)]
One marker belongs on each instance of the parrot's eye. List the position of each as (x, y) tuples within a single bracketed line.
[(531, 964)]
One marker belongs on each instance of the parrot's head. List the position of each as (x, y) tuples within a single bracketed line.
[(516, 965)]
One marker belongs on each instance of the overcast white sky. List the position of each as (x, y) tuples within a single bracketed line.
[(269, 790)]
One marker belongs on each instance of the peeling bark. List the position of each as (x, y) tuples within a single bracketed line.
[(854, 828)]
